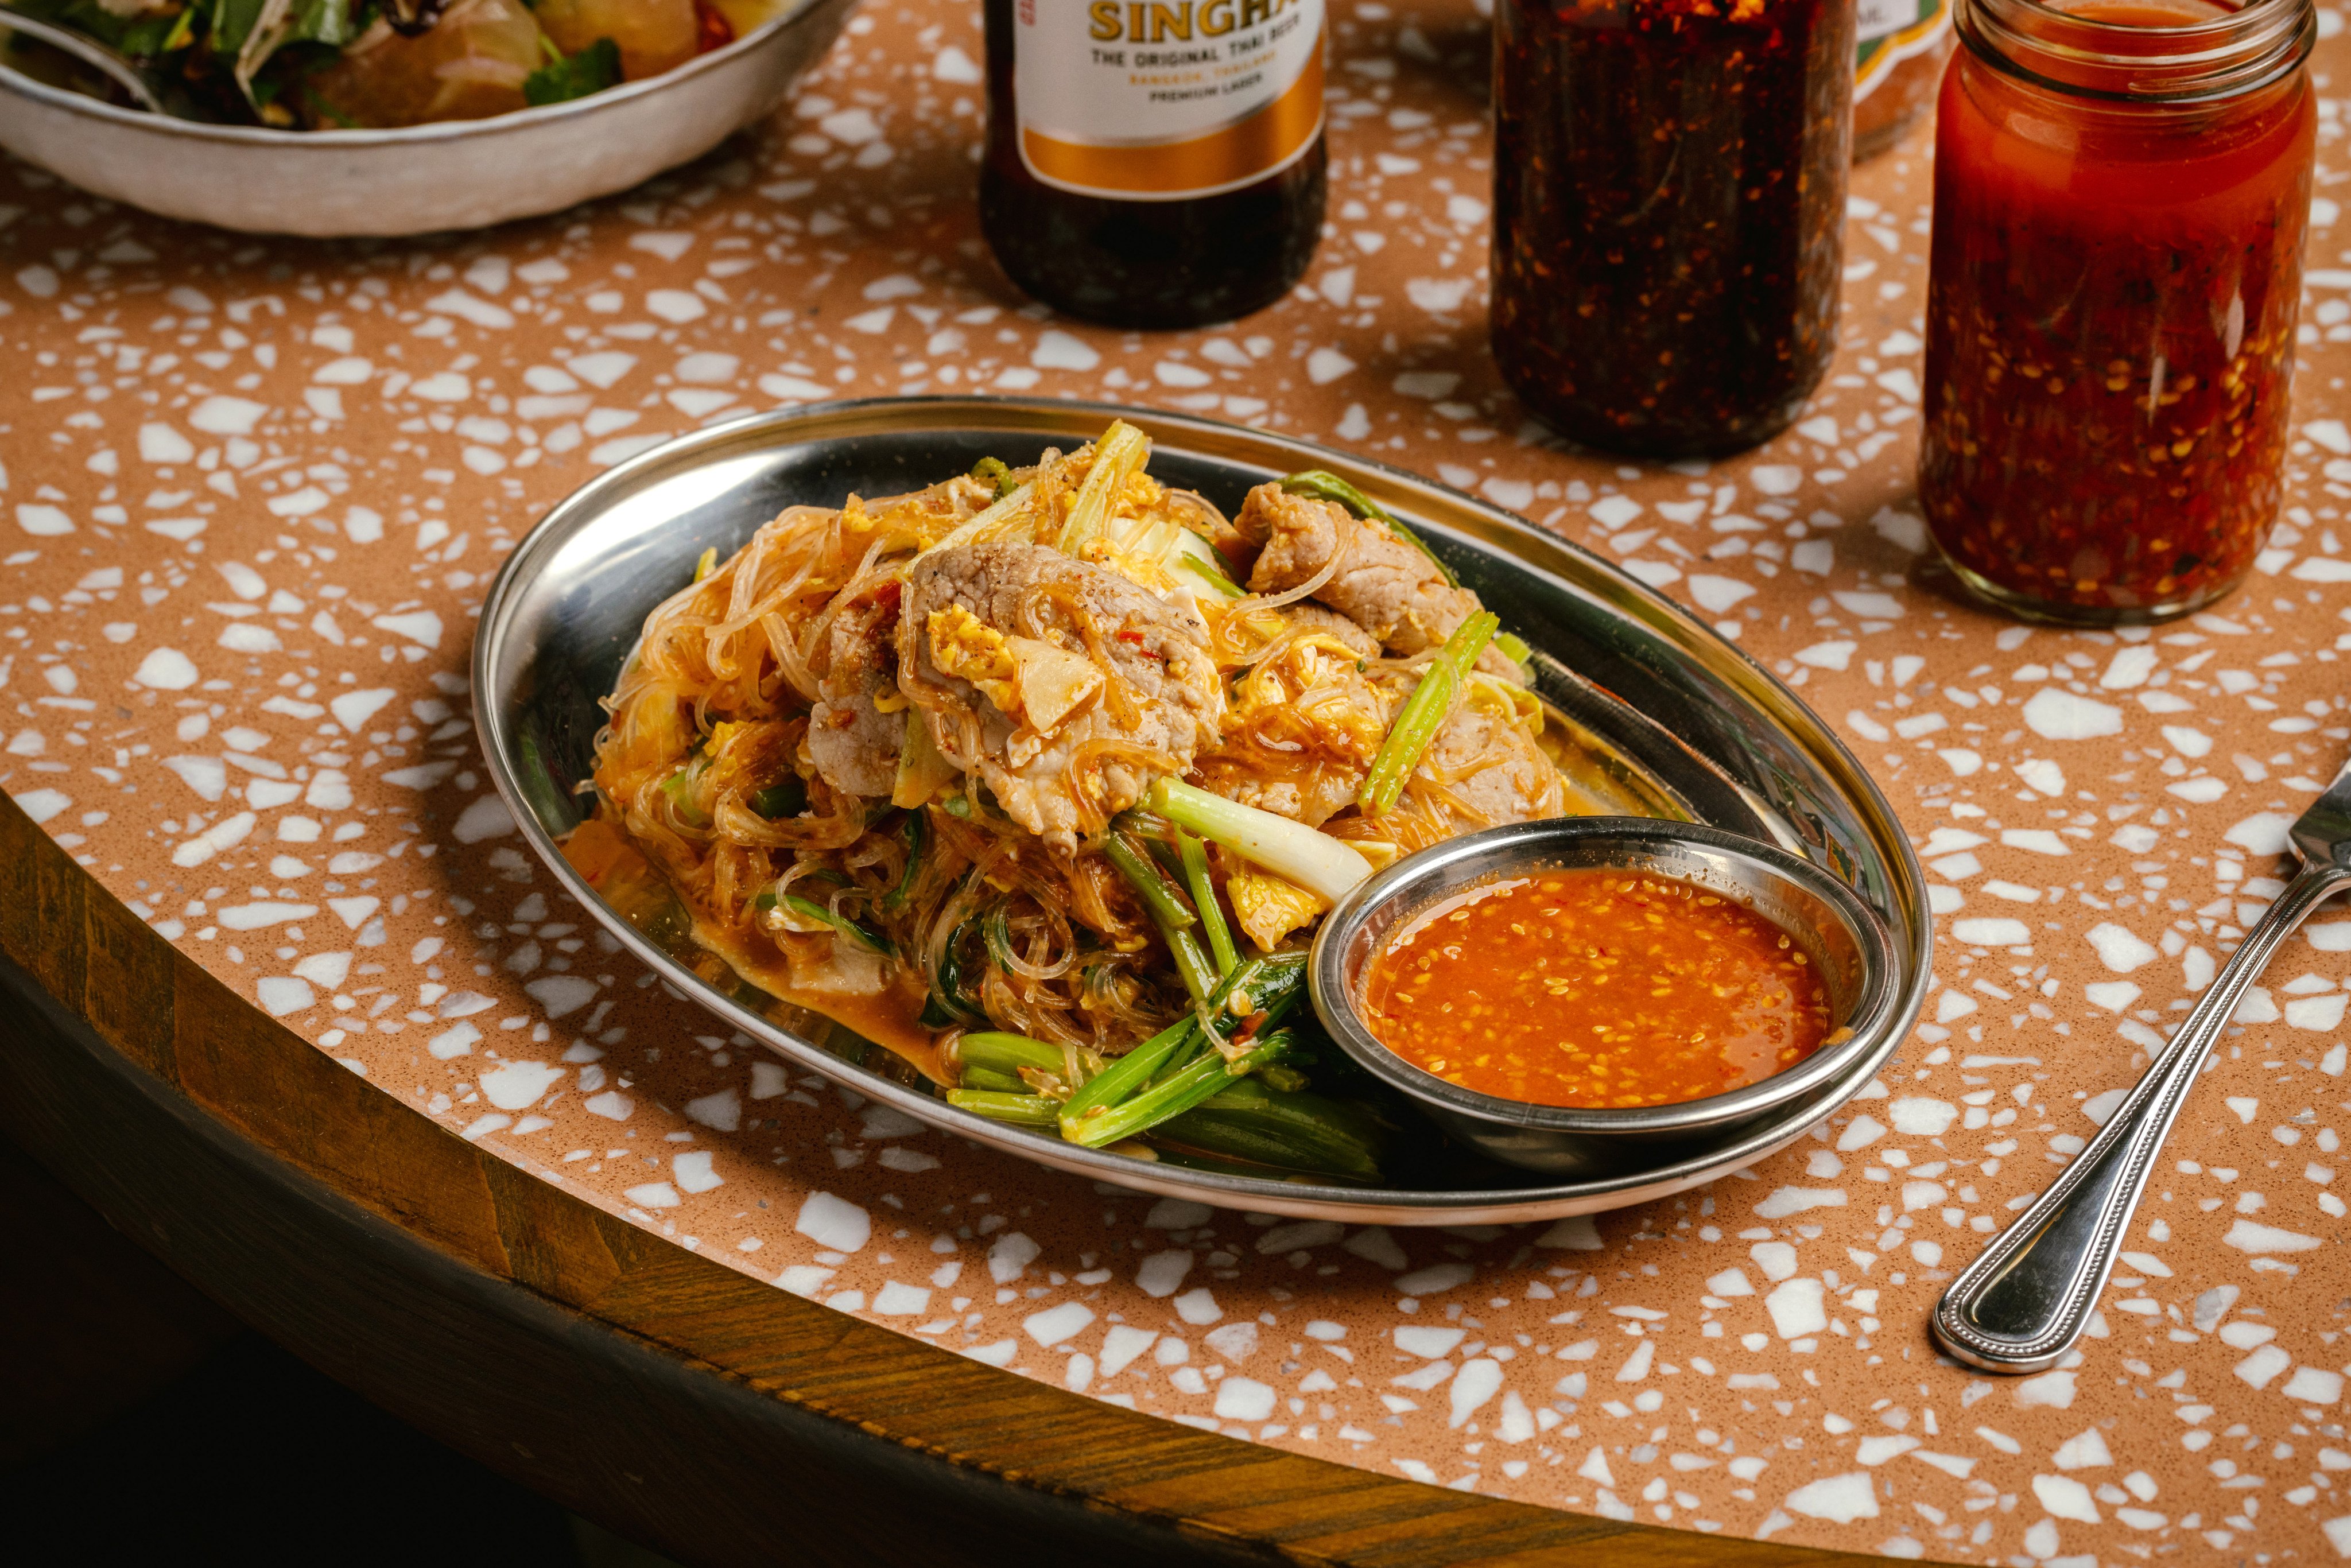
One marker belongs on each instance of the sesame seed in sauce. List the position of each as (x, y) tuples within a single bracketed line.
[(1660, 992)]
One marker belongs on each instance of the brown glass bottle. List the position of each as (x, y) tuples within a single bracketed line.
[(1165, 167)]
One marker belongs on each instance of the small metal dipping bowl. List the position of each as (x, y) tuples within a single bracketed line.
[(1839, 933)]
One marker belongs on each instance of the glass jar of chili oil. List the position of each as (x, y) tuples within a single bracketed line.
[(1669, 187), (2121, 189)]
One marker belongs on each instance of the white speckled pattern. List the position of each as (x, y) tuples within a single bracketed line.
[(254, 491)]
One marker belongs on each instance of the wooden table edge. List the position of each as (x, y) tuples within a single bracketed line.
[(633, 1381)]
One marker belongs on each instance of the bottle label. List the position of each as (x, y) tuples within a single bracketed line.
[(1892, 31), (1157, 101)]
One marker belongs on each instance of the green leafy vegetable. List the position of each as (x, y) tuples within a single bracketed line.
[(1134, 1094), (787, 797), (1289, 1129), (1168, 912), (917, 833), (591, 70)]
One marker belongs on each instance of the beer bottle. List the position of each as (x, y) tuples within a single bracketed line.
[(1153, 162)]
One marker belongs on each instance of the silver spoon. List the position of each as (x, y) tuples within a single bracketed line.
[(117, 69), (2021, 1306)]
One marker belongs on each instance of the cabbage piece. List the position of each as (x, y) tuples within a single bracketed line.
[(1270, 907)]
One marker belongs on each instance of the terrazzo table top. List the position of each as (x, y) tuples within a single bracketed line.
[(255, 490)]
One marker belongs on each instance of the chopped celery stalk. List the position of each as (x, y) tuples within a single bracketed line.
[(1001, 1082), (808, 908), (1030, 1110), (1313, 860), (707, 564), (1328, 486), (1118, 456), (1424, 713), (980, 528), (1515, 647), (1195, 856)]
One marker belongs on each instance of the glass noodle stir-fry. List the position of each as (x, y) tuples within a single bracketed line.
[(1043, 779), (320, 64)]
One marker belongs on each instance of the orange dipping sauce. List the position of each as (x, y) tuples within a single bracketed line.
[(1596, 988)]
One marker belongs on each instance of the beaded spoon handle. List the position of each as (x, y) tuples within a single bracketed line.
[(2021, 1304)]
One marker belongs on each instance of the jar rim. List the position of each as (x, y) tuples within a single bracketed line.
[(2227, 55)]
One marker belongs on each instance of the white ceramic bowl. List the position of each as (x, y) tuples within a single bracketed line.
[(457, 175)]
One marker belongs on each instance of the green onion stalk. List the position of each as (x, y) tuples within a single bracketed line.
[(1128, 1097), (1028, 1110), (1250, 1119), (1314, 861), (1194, 857), (1424, 713), (1198, 1081), (1168, 912)]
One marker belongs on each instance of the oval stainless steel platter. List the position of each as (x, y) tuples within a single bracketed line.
[(1679, 712)]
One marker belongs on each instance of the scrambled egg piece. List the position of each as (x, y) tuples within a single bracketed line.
[(965, 646), (1025, 678), (1271, 907), (1346, 716)]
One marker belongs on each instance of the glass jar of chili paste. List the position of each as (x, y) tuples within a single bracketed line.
[(1669, 184), (2121, 189)]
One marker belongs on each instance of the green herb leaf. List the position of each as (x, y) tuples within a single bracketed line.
[(591, 70)]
